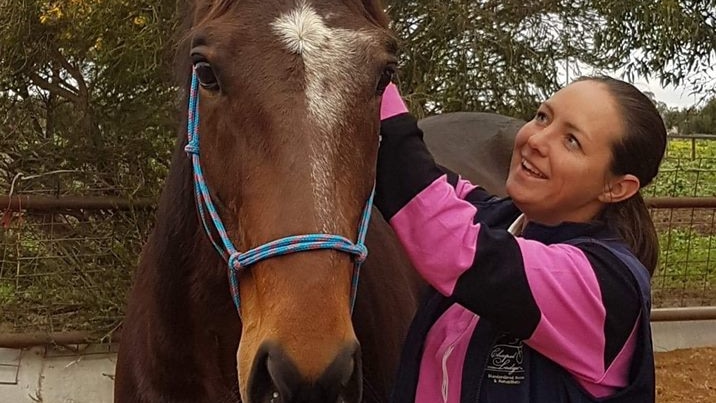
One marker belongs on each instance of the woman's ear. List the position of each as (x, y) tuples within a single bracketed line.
[(620, 188)]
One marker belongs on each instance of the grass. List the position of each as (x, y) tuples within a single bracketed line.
[(687, 171), (687, 268)]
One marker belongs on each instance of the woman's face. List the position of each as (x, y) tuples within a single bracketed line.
[(560, 164)]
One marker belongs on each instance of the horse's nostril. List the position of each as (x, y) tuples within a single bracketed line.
[(343, 379), (276, 379)]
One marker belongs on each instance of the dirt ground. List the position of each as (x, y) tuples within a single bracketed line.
[(687, 375)]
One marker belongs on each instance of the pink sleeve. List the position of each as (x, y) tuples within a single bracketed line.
[(437, 232), (392, 103), (463, 188)]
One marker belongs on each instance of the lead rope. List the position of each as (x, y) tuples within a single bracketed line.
[(238, 261)]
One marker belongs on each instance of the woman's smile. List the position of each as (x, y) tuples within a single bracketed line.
[(531, 170)]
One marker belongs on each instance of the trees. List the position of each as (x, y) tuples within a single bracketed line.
[(701, 120), (84, 86), (674, 40), (505, 55), (87, 85), (87, 108)]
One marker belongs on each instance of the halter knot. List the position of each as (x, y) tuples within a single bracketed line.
[(235, 261), (192, 148), (361, 253)]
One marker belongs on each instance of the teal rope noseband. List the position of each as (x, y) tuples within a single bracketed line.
[(238, 261)]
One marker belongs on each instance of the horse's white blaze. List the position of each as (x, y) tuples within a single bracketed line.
[(331, 64)]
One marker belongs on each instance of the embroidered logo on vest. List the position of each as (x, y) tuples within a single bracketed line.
[(504, 365)]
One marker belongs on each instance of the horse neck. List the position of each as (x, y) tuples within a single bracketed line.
[(182, 314), (186, 275)]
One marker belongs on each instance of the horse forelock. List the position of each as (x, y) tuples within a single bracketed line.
[(193, 13), (209, 10)]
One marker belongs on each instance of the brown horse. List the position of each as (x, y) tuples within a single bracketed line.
[(289, 104), (289, 100)]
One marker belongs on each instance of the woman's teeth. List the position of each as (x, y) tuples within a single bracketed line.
[(532, 170)]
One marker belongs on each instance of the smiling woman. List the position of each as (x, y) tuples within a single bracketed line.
[(560, 168), (542, 296)]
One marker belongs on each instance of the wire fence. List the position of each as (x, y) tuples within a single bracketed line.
[(67, 266), (686, 275), (70, 269), (66, 263)]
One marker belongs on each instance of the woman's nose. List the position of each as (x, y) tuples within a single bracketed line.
[(539, 141)]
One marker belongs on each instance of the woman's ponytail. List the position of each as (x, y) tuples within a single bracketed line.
[(633, 222)]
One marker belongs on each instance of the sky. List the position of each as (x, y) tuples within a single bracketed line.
[(675, 97)]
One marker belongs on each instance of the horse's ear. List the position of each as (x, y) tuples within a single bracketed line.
[(376, 10)]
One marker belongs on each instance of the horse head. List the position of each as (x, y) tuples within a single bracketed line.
[(287, 102)]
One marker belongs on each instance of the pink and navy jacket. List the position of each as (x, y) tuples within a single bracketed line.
[(556, 314)]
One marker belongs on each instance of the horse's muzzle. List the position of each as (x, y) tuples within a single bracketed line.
[(276, 379)]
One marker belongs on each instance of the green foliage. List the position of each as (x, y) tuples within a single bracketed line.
[(68, 271), (502, 55), (667, 39), (7, 294), (87, 107), (482, 55), (85, 85), (693, 120)]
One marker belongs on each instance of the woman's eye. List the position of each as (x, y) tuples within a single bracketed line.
[(385, 78), (541, 116), (572, 142), (205, 75)]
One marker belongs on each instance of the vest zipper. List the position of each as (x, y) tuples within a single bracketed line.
[(446, 378)]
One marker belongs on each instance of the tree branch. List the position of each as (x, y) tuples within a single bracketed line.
[(73, 70), (54, 88)]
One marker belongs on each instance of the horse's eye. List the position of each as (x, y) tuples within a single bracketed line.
[(206, 76), (385, 77)]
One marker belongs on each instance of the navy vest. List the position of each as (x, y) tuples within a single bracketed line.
[(536, 378)]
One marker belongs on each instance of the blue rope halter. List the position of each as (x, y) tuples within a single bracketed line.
[(238, 261)]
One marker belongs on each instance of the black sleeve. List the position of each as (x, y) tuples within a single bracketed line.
[(405, 166)]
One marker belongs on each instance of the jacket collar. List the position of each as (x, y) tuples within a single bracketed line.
[(551, 234)]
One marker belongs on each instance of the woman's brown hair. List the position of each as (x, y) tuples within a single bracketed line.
[(639, 153)]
